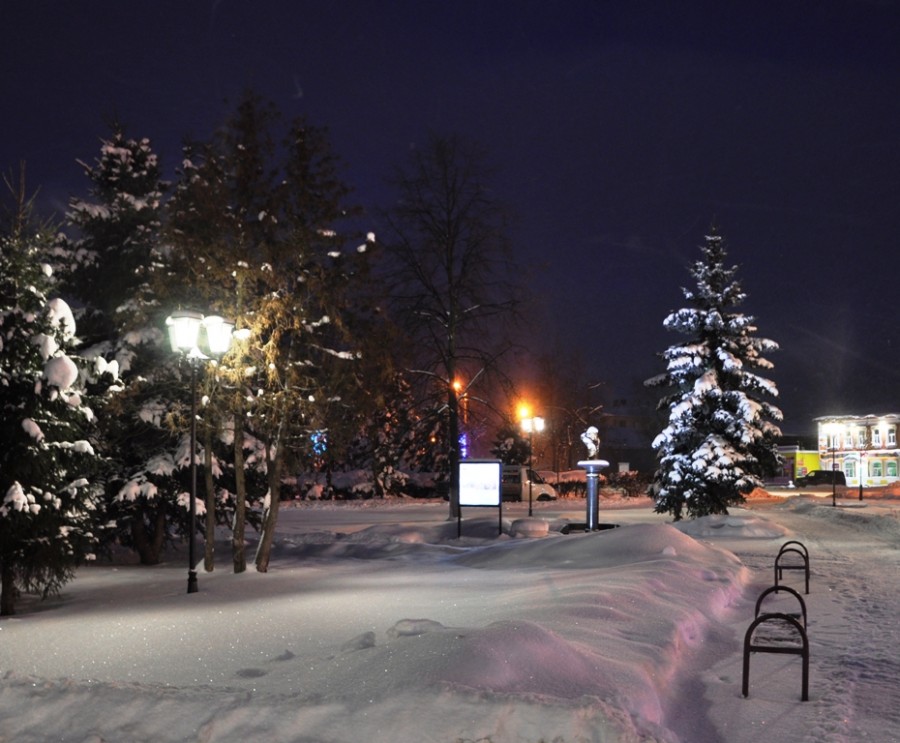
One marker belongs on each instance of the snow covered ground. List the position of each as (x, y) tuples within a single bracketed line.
[(375, 623)]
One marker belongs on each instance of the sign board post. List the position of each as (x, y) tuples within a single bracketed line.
[(480, 486)]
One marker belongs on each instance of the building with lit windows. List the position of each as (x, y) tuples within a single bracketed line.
[(864, 447)]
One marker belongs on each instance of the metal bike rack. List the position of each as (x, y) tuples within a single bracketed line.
[(751, 647), (788, 548), (776, 589)]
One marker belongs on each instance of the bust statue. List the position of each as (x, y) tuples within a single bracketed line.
[(591, 439)]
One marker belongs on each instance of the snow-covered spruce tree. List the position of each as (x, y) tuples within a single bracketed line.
[(117, 228), (721, 436), (117, 248), (510, 445), (48, 505), (385, 444)]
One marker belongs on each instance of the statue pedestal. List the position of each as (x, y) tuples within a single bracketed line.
[(593, 467)]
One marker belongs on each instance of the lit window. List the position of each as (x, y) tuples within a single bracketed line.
[(892, 436), (876, 436), (876, 469), (891, 468), (850, 469), (861, 438)]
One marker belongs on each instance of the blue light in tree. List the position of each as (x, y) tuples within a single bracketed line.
[(319, 442), (464, 445)]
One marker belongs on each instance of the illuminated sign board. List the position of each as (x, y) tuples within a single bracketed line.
[(479, 482)]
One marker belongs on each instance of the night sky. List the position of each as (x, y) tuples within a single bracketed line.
[(620, 131)]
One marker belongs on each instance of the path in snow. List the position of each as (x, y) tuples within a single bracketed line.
[(853, 632)]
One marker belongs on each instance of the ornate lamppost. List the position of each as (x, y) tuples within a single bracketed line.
[(196, 338)]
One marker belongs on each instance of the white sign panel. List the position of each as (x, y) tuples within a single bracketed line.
[(479, 482)]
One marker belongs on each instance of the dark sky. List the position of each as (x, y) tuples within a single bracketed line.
[(621, 130)]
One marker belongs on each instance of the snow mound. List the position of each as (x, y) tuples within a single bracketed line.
[(850, 516), (604, 549), (738, 525)]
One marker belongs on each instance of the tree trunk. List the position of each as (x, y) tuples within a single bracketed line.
[(239, 557), (453, 435), (270, 519), (377, 477), (149, 545), (8, 590), (209, 554)]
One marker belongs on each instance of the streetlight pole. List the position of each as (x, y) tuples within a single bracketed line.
[(192, 563), (831, 429), (529, 426), (833, 478), (185, 339), (530, 468)]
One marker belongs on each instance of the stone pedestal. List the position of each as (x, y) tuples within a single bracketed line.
[(593, 467)]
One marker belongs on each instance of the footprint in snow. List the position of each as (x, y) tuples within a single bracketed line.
[(251, 673)]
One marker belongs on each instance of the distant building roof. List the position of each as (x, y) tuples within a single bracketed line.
[(869, 417)]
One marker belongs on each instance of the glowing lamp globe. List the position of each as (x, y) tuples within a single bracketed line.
[(218, 334), (184, 330)]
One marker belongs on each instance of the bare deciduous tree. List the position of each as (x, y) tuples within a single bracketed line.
[(451, 281)]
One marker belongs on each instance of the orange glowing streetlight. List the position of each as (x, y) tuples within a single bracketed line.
[(530, 423), (463, 398)]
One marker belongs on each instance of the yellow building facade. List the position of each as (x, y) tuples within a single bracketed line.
[(797, 462), (863, 447)]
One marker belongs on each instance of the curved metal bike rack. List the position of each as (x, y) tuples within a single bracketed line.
[(786, 549), (776, 589), (801, 650)]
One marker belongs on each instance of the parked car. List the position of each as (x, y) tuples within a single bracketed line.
[(515, 485), (821, 477)]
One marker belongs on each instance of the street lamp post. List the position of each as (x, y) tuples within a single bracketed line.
[(831, 431), (833, 478), (186, 339), (529, 426), (859, 466)]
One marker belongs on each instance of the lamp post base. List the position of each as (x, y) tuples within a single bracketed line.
[(192, 581)]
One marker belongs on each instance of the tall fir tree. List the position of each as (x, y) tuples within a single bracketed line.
[(118, 228), (118, 249), (49, 502), (721, 438), (386, 441), (510, 444)]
